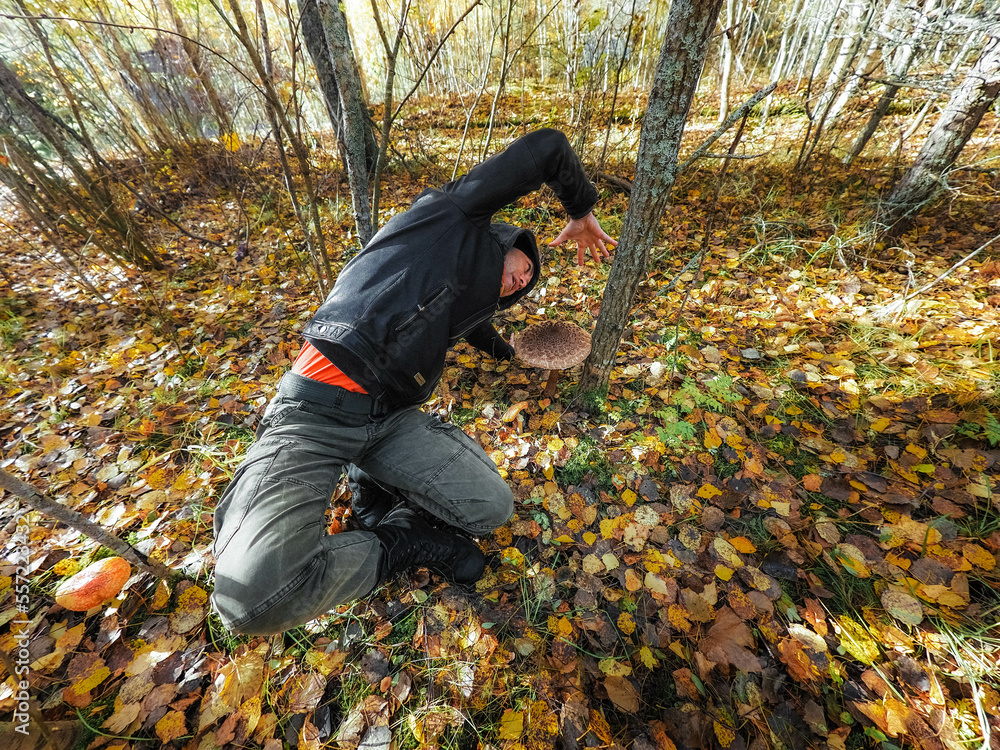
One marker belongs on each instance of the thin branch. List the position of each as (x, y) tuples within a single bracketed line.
[(58, 511), (433, 56), (729, 122), (133, 27), (951, 270)]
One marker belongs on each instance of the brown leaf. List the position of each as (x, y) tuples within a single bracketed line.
[(622, 693), (729, 640)]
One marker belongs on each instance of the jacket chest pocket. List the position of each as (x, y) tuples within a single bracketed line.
[(437, 304)]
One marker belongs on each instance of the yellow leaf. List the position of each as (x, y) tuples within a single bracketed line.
[(170, 726), (727, 553), (880, 424), (161, 597), (647, 658), (725, 735), (561, 626), (614, 668), (629, 497), (94, 673), (856, 640), (979, 556), (232, 143), (511, 724), (66, 567), (852, 559), (678, 617), (626, 624), (589, 537), (723, 572), (708, 491), (190, 609)]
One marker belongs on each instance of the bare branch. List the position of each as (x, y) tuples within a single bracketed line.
[(58, 511)]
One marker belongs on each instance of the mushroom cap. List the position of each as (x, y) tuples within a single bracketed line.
[(552, 344)]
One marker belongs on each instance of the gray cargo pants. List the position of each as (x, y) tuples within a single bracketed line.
[(276, 565)]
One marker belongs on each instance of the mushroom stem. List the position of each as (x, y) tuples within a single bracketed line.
[(550, 384)]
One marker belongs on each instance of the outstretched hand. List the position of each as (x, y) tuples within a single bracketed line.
[(589, 236)]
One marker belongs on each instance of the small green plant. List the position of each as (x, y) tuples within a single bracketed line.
[(675, 433), (538, 514), (587, 458), (720, 394), (992, 429)]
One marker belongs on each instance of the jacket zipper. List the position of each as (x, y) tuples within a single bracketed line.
[(421, 308)]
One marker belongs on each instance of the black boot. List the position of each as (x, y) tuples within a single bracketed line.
[(409, 542), (370, 501)]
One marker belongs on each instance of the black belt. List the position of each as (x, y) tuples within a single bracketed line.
[(300, 387)]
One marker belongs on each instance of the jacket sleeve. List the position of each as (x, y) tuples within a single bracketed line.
[(485, 337), (543, 156)]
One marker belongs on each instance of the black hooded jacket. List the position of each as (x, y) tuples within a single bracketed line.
[(432, 275)]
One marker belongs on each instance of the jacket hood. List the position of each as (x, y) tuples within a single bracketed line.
[(524, 240)]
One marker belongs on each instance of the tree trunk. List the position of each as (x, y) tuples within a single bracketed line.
[(319, 53), (728, 44), (948, 137), (353, 109), (858, 15), (689, 27), (897, 67), (391, 57), (847, 87)]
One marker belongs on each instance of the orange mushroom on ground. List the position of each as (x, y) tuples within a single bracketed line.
[(554, 345), (94, 585)]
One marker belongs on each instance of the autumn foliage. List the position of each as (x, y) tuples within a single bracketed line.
[(779, 529)]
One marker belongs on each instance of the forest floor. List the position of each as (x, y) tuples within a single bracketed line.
[(781, 528)]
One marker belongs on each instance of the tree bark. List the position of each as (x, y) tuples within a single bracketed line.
[(689, 26), (58, 511), (319, 53), (354, 111), (948, 137)]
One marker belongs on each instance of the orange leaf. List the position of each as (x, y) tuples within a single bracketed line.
[(744, 545)]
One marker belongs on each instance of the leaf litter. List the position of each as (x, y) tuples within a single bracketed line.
[(780, 528)]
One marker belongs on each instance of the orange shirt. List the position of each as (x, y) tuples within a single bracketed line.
[(311, 364)]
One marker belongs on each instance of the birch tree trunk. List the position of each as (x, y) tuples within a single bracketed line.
[(948, 137), (689, 28), (851, 79), (728, 44), (354, 111), (897, 67)]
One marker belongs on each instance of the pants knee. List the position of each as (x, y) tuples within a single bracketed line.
[(497, 506)]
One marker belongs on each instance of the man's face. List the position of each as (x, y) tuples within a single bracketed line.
[(517, 272)]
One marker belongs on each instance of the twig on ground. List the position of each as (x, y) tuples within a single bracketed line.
[(896, 307), (58, 511)]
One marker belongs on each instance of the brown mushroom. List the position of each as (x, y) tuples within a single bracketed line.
[(554, 345)]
